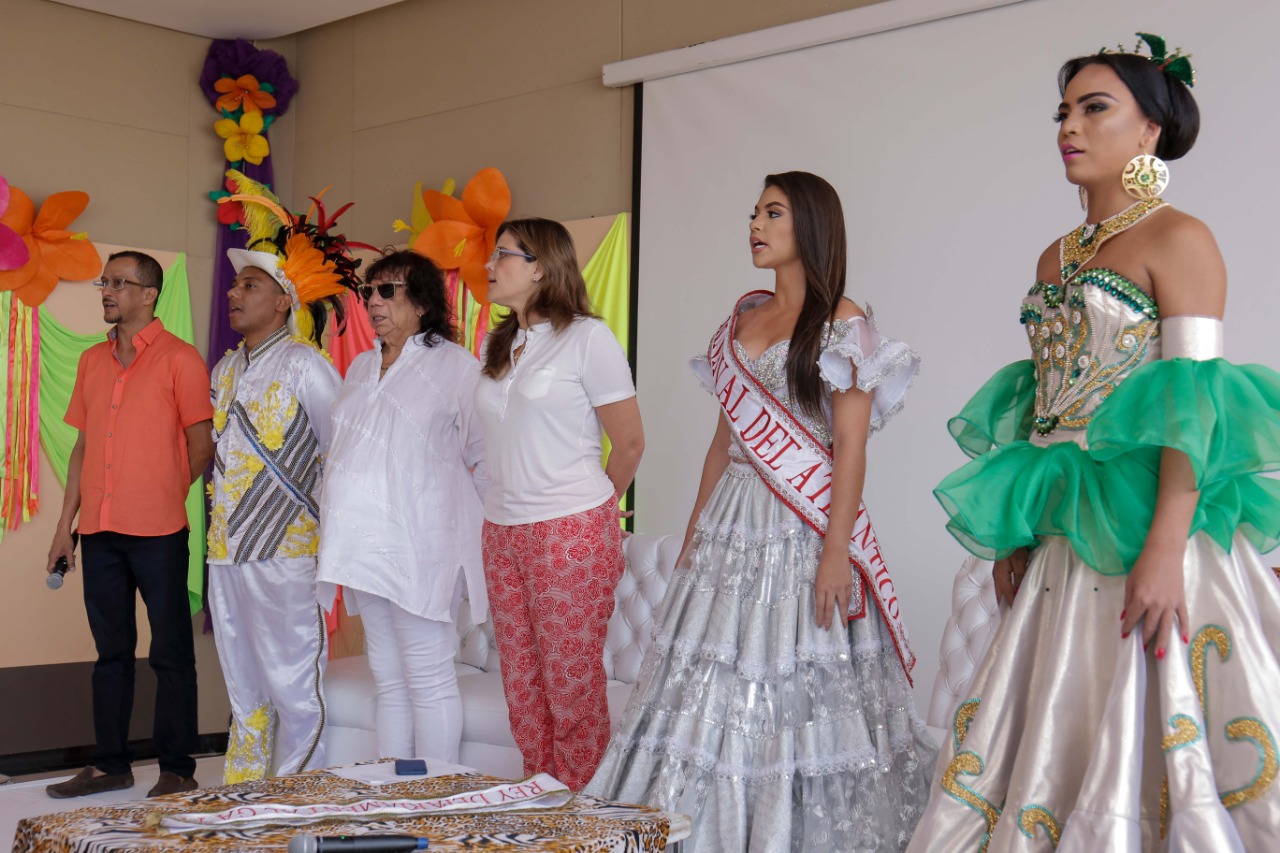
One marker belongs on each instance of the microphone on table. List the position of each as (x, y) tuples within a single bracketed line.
[(59, 573), (356, 844)]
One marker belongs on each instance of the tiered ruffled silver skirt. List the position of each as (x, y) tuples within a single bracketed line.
[(771, 733)]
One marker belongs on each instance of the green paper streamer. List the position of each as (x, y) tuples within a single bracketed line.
[(607, 277)]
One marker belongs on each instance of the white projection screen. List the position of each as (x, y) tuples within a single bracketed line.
[(939, 140)]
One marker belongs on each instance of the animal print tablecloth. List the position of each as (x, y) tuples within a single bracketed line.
[(585, 825)]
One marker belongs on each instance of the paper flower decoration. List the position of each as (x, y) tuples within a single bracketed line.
[(236, 58), (229, 212), (243, 93), (243, 139), (54, 252), (13, 252), (462, 234)]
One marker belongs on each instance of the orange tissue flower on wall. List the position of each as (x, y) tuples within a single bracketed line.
[(54, 252), (243, 139), (243, 93), (462, 234)]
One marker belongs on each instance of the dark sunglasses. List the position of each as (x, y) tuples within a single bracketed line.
[(387, 289)]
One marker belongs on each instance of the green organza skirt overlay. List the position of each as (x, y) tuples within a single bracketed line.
[(1224, 417)]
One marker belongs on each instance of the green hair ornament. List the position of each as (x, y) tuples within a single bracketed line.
[(1176, 64)]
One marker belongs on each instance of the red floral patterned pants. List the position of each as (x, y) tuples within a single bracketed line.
[(551, 589)]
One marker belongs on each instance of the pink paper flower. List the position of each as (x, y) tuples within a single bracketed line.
[(13, 250)]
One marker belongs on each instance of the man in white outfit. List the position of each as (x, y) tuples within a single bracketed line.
[(272, 400)]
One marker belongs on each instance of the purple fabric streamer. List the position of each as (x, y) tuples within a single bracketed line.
[(234, 58), (237, 57)]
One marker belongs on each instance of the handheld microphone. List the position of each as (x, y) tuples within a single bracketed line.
[(54, 578), (356, 844)]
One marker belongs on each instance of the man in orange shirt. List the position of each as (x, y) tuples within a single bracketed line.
[(141, 404)]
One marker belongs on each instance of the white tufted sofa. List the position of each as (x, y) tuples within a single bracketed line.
[(487, 744), (974, 619)]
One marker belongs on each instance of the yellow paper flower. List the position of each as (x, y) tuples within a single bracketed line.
[(244, 139)]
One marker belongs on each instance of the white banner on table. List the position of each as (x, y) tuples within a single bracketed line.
[(539, 792), (384, 772)]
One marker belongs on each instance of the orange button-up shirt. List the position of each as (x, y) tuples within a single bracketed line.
[(136, 471)]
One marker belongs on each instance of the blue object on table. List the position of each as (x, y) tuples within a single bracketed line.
[(411, 767)]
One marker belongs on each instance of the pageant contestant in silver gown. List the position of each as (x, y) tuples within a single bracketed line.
[(1130, 698), (773, 732)]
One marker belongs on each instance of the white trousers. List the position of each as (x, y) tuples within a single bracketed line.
[(272, 645), (419, 708)]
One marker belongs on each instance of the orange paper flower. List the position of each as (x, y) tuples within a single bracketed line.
[(243, 93), (462, 234), (243, 139), (54, 252)]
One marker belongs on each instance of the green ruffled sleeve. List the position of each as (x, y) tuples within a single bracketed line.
[(1225, 418), (1000, 413)]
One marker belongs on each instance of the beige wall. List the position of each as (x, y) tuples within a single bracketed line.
[(435, 89)]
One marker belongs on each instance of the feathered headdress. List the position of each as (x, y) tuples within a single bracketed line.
[(312, 265)]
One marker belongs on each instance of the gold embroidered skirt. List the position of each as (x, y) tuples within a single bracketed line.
[(1073, 739)]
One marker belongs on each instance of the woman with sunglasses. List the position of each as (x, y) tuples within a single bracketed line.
[(555, 382), (401, 508)]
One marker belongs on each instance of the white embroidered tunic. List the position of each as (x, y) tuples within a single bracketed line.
[(271, 429), (405, 481)]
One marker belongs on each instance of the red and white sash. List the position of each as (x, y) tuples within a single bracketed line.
[(798, 468)]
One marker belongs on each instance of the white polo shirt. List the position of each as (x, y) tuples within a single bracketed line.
[(542, 435)]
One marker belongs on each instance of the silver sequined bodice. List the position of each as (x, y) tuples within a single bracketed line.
[(771, 370), (1085, 340)]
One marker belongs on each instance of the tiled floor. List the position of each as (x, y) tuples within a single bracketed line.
[(26, 797)]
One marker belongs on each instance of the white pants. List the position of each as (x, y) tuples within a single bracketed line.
[(272, 645), (419, 708)]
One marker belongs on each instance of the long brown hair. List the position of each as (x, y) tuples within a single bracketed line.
[(820, 238), (561, 295)]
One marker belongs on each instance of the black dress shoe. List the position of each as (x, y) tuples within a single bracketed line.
[(172, 783), (85, 783)]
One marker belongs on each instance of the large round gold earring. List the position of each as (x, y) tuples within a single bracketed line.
[(1145, 176)]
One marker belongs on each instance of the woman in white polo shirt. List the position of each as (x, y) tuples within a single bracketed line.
[(554, 382)]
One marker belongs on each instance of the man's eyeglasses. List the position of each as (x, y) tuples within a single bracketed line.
[(498, 253), (117, 284), (386, 289)]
